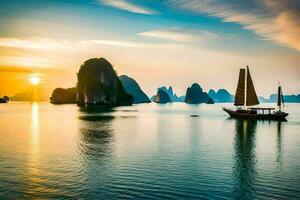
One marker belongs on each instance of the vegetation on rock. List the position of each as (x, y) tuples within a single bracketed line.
[(63, 96), (98, 83)]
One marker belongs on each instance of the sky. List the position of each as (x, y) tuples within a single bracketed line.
[(156, 42)]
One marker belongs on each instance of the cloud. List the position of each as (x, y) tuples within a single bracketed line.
[(120, 43), (179, 35), (26, 61), (26, 69), (65, 45), (125, 5), (35, 43), (276, 20)]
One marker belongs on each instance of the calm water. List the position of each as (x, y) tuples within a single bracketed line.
[(174, 151)]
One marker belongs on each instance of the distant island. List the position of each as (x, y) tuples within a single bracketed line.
[(98, 83), (162, 97), (133, 88), (195, 95), (32, 93), (172, 97), (286, 99), (221, 96)]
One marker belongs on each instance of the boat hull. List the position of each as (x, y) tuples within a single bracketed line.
[(279, 116)]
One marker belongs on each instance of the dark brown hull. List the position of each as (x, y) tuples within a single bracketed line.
[(279, 116)]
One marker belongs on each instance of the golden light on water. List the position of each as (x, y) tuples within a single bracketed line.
[(34, 80), (33, 161)]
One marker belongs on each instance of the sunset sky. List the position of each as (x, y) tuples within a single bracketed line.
[(156, 42)]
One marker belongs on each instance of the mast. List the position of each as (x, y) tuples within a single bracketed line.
[(245, 90), (279, 98)]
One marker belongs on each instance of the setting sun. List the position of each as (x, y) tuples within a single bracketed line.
[(34, 80)]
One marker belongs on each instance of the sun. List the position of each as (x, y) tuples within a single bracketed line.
[(35, 80)]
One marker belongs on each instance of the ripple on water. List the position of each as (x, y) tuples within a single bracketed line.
[(146, 152)]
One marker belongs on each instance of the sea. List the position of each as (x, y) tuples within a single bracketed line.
[(146, 151)]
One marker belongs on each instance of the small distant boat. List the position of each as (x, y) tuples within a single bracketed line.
[(245, 96)]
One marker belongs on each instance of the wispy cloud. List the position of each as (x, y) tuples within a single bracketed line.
[(179, 34), (26, 61), (120, 43), (48, 44), (128, 6), (35, 43), (276, 20)]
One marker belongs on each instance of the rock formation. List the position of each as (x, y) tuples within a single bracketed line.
[(133, 88), (210, 101), (286, 98), (221, 96), (212, 94), (33, 93), (195, 95), (63, 96), (98, 83), (6, 98), (172, 95), (162, 97), (2, 100)]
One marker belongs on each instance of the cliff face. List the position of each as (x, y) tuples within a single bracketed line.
[(221, 96), (98, 83), (172, 95), (162, 97), (195, 95), (63, 96), (212, 94), (224, 96), (133, 88)]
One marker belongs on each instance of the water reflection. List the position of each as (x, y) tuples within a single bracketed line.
[(279, 144), (89, 109), (245, 158), (33, 165), (35, 126), (95, 132)]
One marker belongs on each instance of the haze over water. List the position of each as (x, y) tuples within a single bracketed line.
[(146, 151)]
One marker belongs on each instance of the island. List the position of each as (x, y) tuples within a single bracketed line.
[(195, 95), (173, 96), (64, 96), (221, 96), (162, 97), (97, 83), (133, 88)]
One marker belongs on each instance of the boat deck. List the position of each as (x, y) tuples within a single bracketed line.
[(253, 114), (261, 108)]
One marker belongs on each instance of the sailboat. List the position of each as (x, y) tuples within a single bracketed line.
[(245, 96)]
